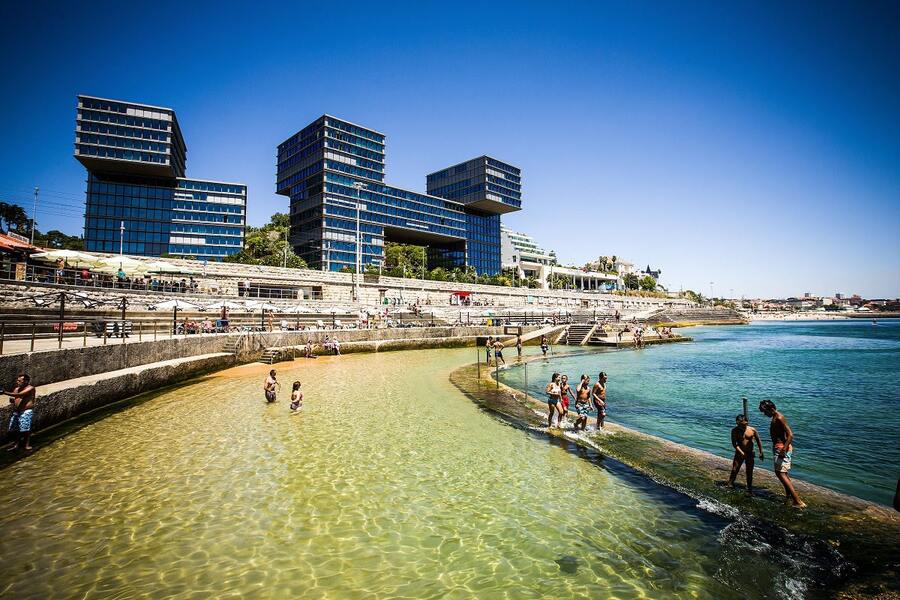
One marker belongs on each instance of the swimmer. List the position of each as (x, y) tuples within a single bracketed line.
[(269, 387), (296, 398)]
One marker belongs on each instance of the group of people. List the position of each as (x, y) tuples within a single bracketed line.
[(587, 397), (493, 348), (271, 387), (742, 438)]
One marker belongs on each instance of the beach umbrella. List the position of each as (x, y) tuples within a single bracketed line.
[(223, 304), (175, 305), (260, 306), (299, 309), (159, 266), (72, 256)]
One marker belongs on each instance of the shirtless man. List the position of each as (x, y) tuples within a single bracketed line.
[(498, 352), (582, 402), (783, 445), (22, 400), (598, 398), (269, 386), (742, 438)]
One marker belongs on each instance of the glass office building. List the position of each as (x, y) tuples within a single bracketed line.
[(138, 198), (333, 172)]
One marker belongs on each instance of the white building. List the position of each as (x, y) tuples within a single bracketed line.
[(520, 253)]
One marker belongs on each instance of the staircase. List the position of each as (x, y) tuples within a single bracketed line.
[(233, 344), (579, 333), (273, 355)]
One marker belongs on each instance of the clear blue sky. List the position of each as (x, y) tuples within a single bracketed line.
[(753, 145)]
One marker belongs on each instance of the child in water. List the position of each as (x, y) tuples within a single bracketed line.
[(296, 398)]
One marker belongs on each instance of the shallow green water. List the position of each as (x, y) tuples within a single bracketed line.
[(389, 484)]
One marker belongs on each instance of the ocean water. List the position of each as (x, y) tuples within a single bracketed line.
[(389, 484), (837, 382)]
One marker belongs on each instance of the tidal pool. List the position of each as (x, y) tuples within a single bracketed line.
[(390, 484)]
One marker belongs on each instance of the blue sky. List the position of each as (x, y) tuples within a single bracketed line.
[(753, 145)]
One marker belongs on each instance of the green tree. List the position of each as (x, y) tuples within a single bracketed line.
[(13, 217), (268, 246), (693, 296), (647, 283), (631, 281), (57, 239)]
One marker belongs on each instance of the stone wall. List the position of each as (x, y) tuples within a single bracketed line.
[(50, 366)]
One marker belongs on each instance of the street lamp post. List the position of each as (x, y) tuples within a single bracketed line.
[(121, 237)]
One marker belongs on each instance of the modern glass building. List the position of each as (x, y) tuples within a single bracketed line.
[(138, 197), (333, 172)]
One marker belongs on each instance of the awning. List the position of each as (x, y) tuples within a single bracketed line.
[(461, 294)]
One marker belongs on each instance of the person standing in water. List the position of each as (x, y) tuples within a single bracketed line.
[(598, 397), (544, 345), (783, 447), (21, 399), (553, 394), (742, 438), (488, 345), (519, 347), (582, 402), (269, 386), (296, 398)]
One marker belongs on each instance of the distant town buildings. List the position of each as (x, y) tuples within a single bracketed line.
[(138, 200)]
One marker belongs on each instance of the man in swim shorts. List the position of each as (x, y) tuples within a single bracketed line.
[(269, 386), (598, 398), (783, 445), (22, 400), (498, 352), (742, 438), (582, 402)]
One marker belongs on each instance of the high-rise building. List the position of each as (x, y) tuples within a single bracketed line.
[(138, 198), (333, 172)]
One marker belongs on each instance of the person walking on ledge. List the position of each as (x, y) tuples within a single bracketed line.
[(498, 352), (742, 438), (269, 386), (553, 398), (783, 445), (598, 398), (21, 399)]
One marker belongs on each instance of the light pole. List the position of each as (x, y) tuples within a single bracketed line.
[(121, 237), (711, 292), (33, 213), (359, 207), (424, 258), (285, 247)]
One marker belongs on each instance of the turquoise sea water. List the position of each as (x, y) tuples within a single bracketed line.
[(838, 384)]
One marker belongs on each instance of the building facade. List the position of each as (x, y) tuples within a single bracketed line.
[(333, 172), (138, 199)]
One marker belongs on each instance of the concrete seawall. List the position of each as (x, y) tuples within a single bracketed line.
[(51, 366)]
